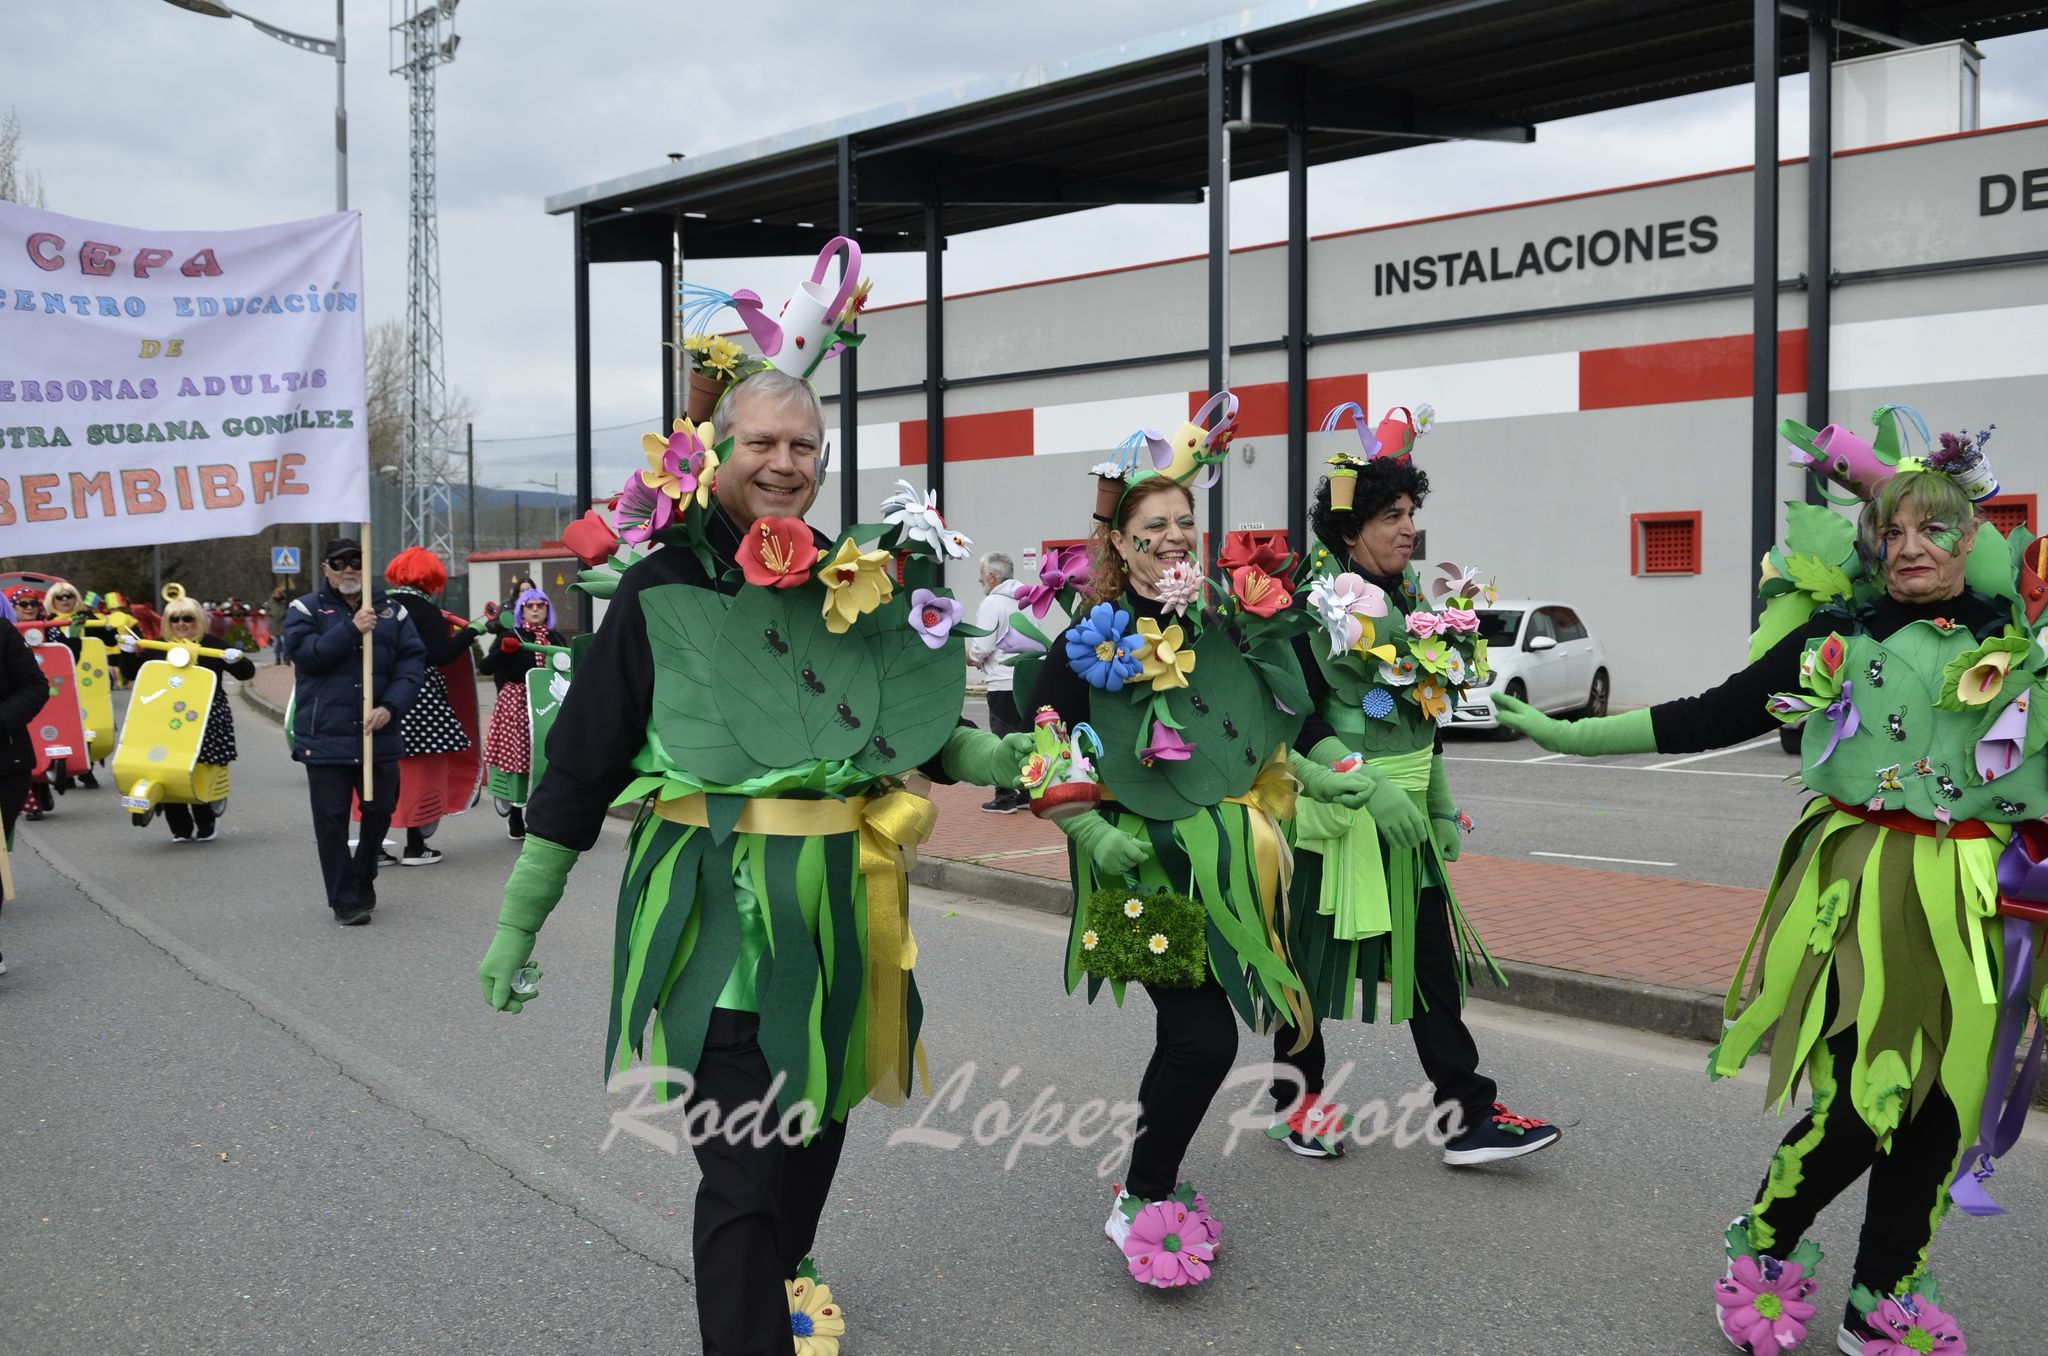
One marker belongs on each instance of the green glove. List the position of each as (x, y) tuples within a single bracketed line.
[(1443, 811), (981, 759), (1630, 732), (530, 895), (1321, 782), (1391, 808), (1115, 853)]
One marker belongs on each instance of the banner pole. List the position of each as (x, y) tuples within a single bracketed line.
[(369, 648)]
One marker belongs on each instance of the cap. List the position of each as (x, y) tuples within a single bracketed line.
[(341, 546)]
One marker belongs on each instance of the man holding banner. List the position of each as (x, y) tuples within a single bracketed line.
[(325, 633)]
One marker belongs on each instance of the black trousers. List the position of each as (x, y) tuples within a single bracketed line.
[(184, 819), (1195, 1045), (332, 787), (1002, 714), (1444, 1044), (1831, 1147), (757, 1207)]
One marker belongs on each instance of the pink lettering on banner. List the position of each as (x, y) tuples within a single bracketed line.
[(97, 259), (142, 491), (53, 259), (217, 487), (148, 258), (100, 486), (36, 492)]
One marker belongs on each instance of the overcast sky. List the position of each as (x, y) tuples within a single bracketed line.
[(143, 114)]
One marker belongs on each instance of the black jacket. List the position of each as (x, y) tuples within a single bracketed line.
[(23, 691), (506, 667), (443, 643), (323, 644)]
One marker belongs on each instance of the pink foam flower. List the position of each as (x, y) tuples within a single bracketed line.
[(1166, 745), (1168, 1246), (1763, 1303), (1424, 623), (1912, 1325)]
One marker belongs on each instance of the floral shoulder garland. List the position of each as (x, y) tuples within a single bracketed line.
[(1430, 658)]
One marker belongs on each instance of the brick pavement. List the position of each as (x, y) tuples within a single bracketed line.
[(1645, 929)]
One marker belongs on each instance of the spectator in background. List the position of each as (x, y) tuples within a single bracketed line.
[(985, 653), (274, 611)]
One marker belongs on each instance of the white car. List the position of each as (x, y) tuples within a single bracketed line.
[(1541, 652)]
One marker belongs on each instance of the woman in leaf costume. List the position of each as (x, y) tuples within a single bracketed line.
[(1192, 692), (1371, 897), (762, 692), (1895, 950)]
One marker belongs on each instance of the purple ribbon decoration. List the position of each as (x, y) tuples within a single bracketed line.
[(1842, 712), (2004, 1113)]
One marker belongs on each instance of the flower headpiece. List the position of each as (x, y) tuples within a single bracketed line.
[(1192, 455), (1393, 440), (1862, 468), (818, 321)]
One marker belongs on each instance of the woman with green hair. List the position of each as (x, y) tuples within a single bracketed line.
[(1884, 965)]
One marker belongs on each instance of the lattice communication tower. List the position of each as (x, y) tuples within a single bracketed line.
[(422, 40)]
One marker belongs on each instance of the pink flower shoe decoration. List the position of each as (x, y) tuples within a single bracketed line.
[(1762, 1303), (1171, 1243), (1912, 1324)]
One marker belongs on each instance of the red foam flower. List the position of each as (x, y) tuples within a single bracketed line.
[(777, 553), (1260, 593), (591, 538), (1265, 553)]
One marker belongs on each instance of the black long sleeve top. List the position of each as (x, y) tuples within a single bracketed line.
[(443, 643), (1735, 709)]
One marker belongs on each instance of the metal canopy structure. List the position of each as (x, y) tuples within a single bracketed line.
[(1263, 91)]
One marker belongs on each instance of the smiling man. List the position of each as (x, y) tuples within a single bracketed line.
[(804, 1025)]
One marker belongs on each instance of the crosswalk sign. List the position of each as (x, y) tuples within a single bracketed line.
[(284, 560)]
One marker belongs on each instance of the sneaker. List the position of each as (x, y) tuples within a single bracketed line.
[(181, 838), (425, 857), (1171, 1243), (515, 829), (34, 812), (1122, 1205), (1004, 804), (88, 781), (353, 917), (385, 859), (1315, 1129), (1763, 1304), (208, 836), (1501, 1136), (3, 967)]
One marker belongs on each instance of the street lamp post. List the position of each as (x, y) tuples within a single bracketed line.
[(336, 48)]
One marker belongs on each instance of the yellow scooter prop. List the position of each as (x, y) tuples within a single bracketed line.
[(96, 697), (157, 759)]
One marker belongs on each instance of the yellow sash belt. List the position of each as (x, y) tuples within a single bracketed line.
[(1270, 800), (891, 828)]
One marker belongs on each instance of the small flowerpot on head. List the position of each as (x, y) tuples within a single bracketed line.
[(704, 394)]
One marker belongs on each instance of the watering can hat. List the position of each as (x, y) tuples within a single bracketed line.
[(1862, 467), (1191, 456)]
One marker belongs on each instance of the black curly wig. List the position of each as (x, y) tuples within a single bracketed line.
[(1380, 483)]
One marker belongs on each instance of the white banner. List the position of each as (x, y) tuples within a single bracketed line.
[(162, 386)]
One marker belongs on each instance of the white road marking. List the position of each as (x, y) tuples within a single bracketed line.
[(1582, 857), (1548, 757), (1715, 753)]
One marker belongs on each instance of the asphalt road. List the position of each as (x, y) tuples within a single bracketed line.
[(230, 1126)]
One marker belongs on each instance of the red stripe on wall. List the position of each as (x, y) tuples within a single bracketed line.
[(1262, 406), (970, 437), (1688, 369)]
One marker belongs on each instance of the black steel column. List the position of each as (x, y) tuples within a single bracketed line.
[(1763, 390), (848, 467), (584, 611), (669, 408), (1219, 258), (1820, 254), (1297, 336), (935, 359)]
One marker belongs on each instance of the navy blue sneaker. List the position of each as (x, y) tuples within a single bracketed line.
[(1501, 1136)]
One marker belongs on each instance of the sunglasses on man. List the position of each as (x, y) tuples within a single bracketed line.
[(346, 563)]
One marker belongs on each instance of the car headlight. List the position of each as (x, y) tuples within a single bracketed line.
[(1487, 681)]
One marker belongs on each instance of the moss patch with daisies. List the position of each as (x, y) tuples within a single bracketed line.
[(1156, 938)]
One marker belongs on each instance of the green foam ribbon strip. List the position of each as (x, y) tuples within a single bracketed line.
[(787, 979)]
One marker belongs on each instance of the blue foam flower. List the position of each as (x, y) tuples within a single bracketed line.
[(1101, 648), (1378, 703)]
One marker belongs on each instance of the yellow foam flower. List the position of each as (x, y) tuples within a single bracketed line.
[(1166, 663), (856, 583), (1431, 696), (1366, 636), (816, 1322)]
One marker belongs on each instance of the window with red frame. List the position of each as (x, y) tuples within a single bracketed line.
[(1664, 543), (2008, 511)]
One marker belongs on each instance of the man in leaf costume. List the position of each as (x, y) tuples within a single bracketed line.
[(1192, 694), (762, 692), (1895, 952), (1371, 897)]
